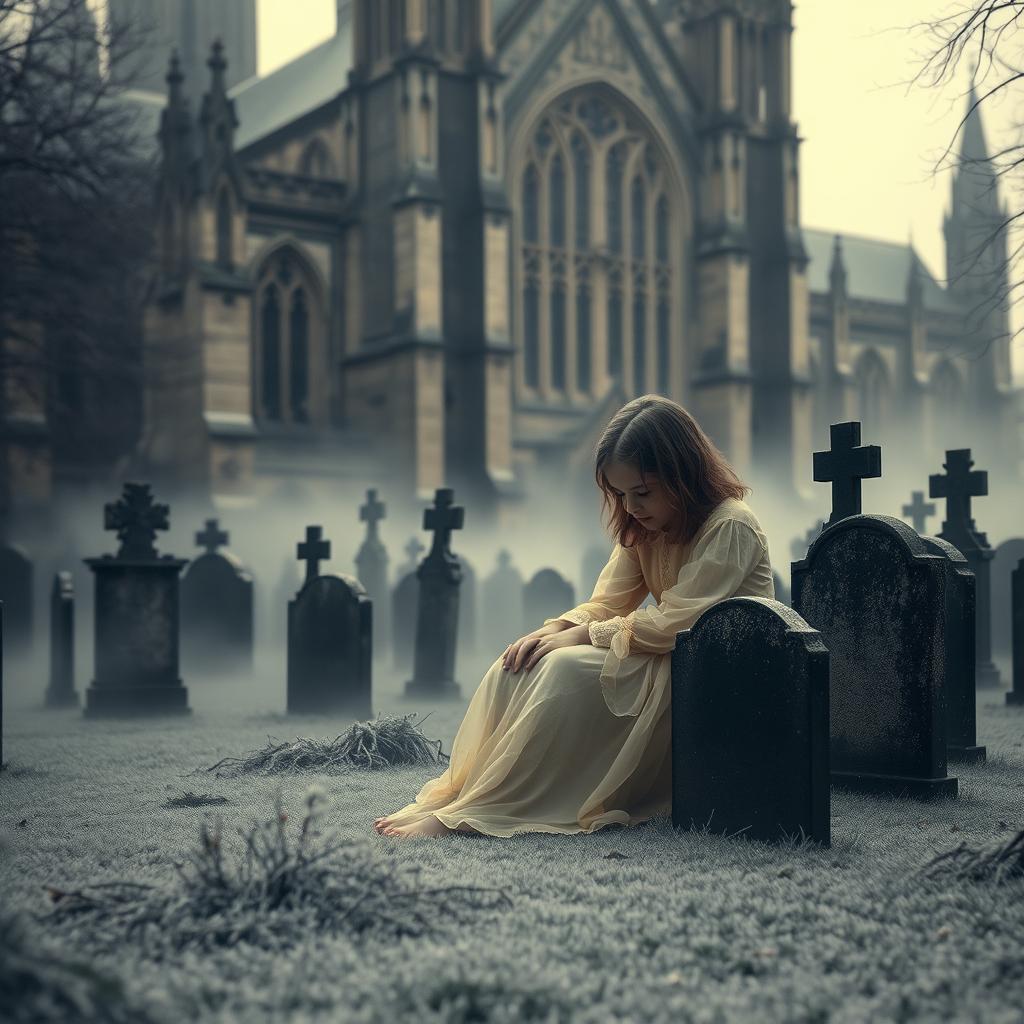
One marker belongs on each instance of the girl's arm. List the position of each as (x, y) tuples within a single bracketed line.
[(620, 589)]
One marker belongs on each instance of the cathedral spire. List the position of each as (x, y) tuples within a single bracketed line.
[(175, 131), (837, 270), (219, 121)]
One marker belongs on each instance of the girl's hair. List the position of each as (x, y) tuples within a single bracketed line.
[(658, 436)]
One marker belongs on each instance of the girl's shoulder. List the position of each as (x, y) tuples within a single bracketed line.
[(734, 508)]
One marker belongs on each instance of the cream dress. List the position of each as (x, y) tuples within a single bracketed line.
[(582, 740)]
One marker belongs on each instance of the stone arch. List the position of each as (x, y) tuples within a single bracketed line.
[(611, 296), (873, 392), (316, 161)]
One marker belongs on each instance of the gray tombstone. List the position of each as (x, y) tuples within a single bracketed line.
[(1016, 695), (547, 595), (217, 607), (877, 595), (958, 485), (467, 607), (1005, 559), (61, 691), (372, 569), (404, 605), (136, 615), (959, 688), (330, 639), (750, 723), (1, 684), (503, 603), (16, 592), (437, 607)]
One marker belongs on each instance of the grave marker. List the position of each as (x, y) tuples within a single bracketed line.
[(845, 466), (918, 511), (61, 691), (372, 569)]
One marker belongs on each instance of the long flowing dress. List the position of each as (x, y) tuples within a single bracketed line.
[(582, 740)]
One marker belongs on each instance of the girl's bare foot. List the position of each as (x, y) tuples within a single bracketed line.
[(427, 826)]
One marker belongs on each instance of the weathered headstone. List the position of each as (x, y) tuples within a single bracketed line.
[(958, 486), (437, 612), (877, 595), (959, 687), (918, 511), (503, 606), (1016, 695), (16, 592), (136, 615), (750, 723), (1, 684), (372, 570), (546, 596), (467, 607), (61, 691), (1005, 559), (845, 466), (330, 639), (217, 607)]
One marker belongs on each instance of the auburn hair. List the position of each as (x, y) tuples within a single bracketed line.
[(661, 438)]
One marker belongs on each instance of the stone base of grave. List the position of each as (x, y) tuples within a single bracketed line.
[(446, 690), (1016, 698), (61, 699), (966, 755), (132, 701), (986, 676), (895, 785)]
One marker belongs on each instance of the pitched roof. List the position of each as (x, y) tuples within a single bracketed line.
[(875, 269), (265, 104)]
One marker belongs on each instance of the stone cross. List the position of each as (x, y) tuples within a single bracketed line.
[(372, 512), (918, 511), (442, 519), (313, 550), (845, 466), (212, 537), (136, 520), (958, 485)]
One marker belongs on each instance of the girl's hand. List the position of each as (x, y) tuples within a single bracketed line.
[(525, 653)]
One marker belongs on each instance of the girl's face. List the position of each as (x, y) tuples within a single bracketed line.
[(644, 500)]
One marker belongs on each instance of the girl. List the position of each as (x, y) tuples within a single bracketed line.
[(569, 731)]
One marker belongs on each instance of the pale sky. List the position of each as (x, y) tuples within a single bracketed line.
[(871, 141)]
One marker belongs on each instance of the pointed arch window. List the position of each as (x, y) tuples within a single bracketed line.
[(299, 370), (225, 256), (615, 333), (556, 201), (531, 212), (316, 161), (531, 336), (640, 343), (638, 220), (613, 196), (581, 173), (662, 222), (558, 337), (583, 345), (664, 344), (270, 336), (872, 387)]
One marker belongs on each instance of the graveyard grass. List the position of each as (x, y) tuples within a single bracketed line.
[(634, 924)]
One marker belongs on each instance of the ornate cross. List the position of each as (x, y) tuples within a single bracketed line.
[(136, 520), (918, 511), (212, 537), (313, 550), (845, 466), (372, 513), (442, 519), (958, 486)]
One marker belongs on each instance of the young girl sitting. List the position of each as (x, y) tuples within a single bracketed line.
[(569, 730)]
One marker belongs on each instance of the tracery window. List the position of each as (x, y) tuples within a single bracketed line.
[(872, 390), (598, 223), (224, 218)]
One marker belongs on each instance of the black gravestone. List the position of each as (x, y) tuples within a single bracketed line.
[(877, 596), (958, 486), (216, 607), (467, 607), (61, 691), (404, 605), (1016, 695), (845, 466), (546, 596), (437, 608), (1, 684), (959, 689), (16, 592), (330, 639), (136, 615), (750, 723), (372, 569), (1004, 561), (503, 606)]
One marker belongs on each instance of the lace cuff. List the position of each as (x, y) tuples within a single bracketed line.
[(581, 618), (618, 629)]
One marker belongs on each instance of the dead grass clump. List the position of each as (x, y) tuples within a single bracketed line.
[(274, 894), (191, 799), (37, 986), (1003, 862), (388, 742)]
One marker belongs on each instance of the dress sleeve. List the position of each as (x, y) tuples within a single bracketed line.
[(719, 563), (621, 588)]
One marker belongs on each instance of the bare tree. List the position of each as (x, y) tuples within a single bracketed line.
[(76, 188)]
